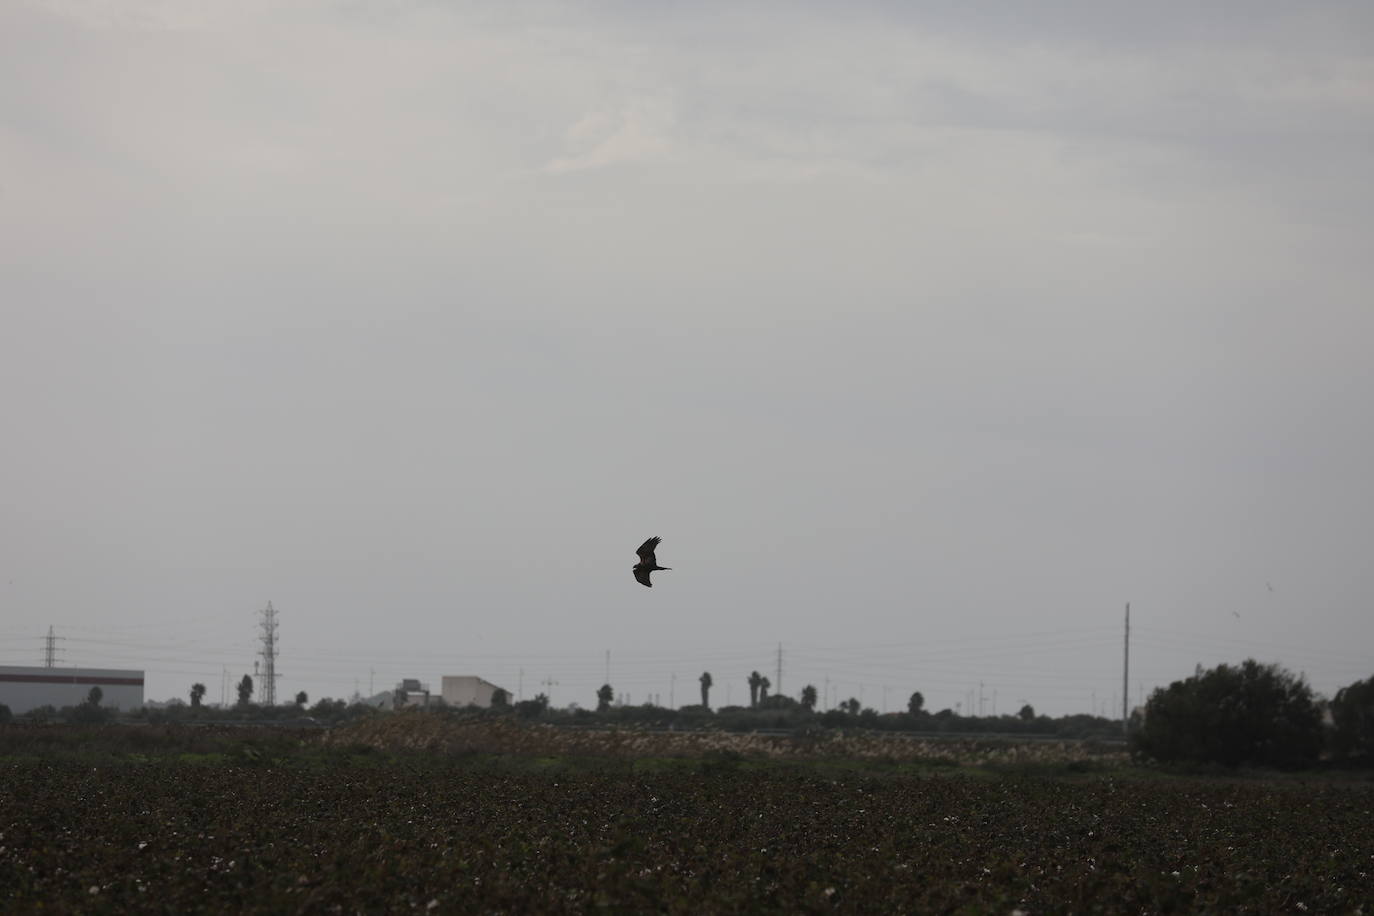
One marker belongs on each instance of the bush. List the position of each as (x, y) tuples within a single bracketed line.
[(87, 714), (779, 701), (1352, 718), (1251, 713)]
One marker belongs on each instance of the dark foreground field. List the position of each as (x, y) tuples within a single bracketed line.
[(376, 833)]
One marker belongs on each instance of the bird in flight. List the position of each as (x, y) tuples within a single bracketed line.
[(647, 562)]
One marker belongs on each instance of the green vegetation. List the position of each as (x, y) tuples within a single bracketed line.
[(245, 690), (1352, 715), (1247, 714)]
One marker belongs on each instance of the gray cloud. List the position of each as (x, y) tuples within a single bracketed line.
[(925, 339)]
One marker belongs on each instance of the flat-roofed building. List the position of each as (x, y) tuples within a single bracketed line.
[(23, 689), (468, 690)]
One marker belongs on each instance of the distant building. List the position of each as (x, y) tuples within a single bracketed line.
[(23, 689), (410, 692), (467, 690)]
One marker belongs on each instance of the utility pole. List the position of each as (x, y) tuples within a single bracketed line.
[(269, 655), (223, 684), (50, 649), (777, 689), (981, 699), (1125, 675)]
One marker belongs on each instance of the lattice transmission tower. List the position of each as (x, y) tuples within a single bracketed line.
[(269, 655), (50, 650)]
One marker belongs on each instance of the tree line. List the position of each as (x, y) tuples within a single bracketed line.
[(1246, 714), (1255, 714)]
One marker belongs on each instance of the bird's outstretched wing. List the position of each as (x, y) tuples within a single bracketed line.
[(642, 576), (646, 552)]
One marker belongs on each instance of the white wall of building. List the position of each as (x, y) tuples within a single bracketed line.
[(467, 690), (23, 688)]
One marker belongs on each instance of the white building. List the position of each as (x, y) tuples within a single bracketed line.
[(23, 689), (467, 690)]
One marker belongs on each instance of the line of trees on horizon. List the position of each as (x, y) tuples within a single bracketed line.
[(1246, 714)]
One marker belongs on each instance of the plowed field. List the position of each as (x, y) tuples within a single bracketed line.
[(481, 835)]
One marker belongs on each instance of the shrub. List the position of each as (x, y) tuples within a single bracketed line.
[(1250, 713), (87, 714), (1352, 719)]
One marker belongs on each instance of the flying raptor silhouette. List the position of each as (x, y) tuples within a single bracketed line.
[(647, 562)]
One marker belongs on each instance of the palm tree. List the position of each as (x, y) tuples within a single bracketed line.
[(302, 699), (808, 698), (754, 680), (706, 689), (764, 684), (95, 696), (245, 690), (197, 694), (916, 703), (604, 695)]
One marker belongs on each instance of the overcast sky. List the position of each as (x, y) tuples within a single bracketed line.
[(925, 335)]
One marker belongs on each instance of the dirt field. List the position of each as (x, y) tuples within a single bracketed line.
[(285, 825)]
